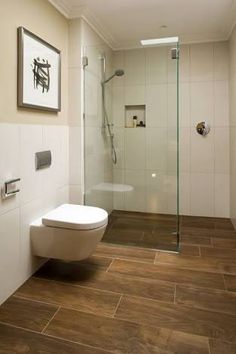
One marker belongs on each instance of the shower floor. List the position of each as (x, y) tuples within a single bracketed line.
[(146, 230)]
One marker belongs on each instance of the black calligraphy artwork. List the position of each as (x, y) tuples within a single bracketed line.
[(41, 72)]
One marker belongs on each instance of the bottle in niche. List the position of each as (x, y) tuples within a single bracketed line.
[(135, 121)]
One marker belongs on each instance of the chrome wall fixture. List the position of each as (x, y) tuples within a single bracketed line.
[(9, 189), (203, 128)]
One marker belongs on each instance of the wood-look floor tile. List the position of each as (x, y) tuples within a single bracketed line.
[(195, 240), (18, 341), (231, 234), (65, 272), (230, 282), (185, 319), (196, 232), (224, 225), (228, 267), (120, 336), (221, 253), (168, 273), (198, 222), (18, 312), (190, 250), (224, 243), (219, 347), (208, 299), (84, 299), (123, 237), (189, 262), (125, 252), (96, 262), (138, 224)]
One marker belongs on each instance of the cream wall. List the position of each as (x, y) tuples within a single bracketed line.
[(24, 132), (204, 162), (232, 45), (41, 18)]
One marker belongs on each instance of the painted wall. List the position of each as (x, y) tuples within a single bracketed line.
[(204, 162), (24, 132), (232, 45)]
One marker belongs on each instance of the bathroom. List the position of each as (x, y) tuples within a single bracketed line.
[(162, 277)]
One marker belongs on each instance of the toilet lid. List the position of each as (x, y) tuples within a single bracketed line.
[(80, 217)]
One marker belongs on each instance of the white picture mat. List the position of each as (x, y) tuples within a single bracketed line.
[(31, 95)]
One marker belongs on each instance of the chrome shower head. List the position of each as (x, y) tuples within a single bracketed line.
[(118, 72)]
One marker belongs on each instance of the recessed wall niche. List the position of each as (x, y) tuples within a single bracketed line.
[(135, 116)]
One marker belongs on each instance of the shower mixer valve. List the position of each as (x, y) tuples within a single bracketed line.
[(203, 128)]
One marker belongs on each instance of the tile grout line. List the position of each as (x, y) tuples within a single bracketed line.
[(107, 270), (44, 329), (175, 291), (118, 304), (224, 281), (208, 344)]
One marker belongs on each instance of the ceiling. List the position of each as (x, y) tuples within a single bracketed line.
[(124, 22)]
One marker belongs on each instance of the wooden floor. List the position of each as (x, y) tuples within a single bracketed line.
[(129, 300)]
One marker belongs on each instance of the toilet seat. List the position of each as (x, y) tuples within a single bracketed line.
[(76, 217)]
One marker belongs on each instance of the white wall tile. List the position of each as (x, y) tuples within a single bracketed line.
[(202, 152), (10, 278), (135, 67), (119, 143), (221, 100), (202, 194), (9, 161), (135, 148), (201, 62), (184, 63), (118, 107), (118, 196), (156, 149), (222, 150), (135, 95), (136, 199), (118, 63), (75, 148), (202, 102), (184, 105), (157, 190), (156, 62), (74, 96), (31, 141), (156, 109), (75, 194), (28, 213), (184, 149), (221, 60), (221, 195), (184, 193), (171, 181)]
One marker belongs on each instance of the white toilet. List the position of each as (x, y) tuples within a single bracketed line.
[(69, 232)]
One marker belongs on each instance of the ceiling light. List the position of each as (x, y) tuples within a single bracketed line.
[(156, 41)]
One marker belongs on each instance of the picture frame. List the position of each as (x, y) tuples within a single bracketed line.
[(39, 73)]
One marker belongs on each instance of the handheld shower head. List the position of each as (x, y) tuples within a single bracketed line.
[(118, 72)]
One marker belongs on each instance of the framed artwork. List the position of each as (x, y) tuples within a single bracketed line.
[(39, 73)]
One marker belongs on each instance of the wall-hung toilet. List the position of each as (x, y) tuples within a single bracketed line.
[(69, 232)]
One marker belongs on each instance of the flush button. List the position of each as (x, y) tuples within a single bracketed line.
[(43, 159)]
